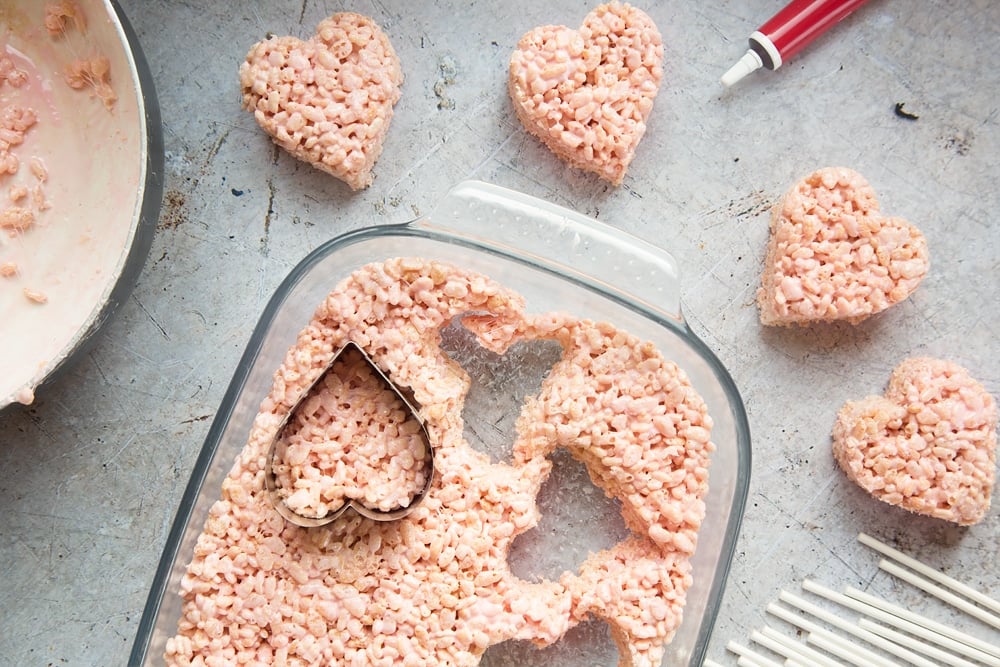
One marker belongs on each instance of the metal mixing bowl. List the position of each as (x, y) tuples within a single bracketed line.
[(104, 186)]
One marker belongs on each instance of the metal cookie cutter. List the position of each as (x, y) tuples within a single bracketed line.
[(271, 482)]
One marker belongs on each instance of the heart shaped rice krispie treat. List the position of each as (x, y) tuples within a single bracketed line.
[(587, 93), (327, 100), (833, 256), (928, 445)]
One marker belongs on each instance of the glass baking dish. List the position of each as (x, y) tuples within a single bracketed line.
[(558, 260)]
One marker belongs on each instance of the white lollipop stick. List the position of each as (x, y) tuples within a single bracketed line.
[(752, 658), (914, 644), (928, 629), (793, 649), (853, 629), (839, 648), (930, 573), (940, 593), (885, 617), (759, 638), (809, 626)]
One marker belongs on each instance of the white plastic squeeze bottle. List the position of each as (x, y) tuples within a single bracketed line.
[(787, 33)]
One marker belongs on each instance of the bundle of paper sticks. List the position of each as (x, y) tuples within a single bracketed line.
[(911, 638)]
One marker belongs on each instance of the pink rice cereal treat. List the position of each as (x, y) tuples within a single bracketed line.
[(928, 445), (352, 438), (587, 93), (833, 256), (327, 100), (435, 588)]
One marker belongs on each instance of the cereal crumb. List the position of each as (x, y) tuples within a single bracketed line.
[(17, 194), (16, 218), (8, 269), (11, 74), (38, 169), (39, 199), (25, 396), (35, 296)]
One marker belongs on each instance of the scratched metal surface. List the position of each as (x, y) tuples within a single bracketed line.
[(91, 474)]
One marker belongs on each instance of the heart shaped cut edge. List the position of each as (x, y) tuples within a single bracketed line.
[(587, 93), (273, 488)]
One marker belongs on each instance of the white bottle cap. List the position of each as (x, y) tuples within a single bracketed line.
[(750, 62)]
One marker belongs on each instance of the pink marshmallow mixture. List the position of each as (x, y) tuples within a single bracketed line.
[(833, 256), (928, 445), (586, 94), (328, 100), (93, 74), (26, 195), (60, 15), (435, 587), (26, 199)]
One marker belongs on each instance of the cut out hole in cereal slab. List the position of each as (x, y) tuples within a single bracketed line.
[(577, 518), (588, 643), (499, 386)]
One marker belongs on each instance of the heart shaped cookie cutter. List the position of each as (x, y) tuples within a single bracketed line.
[(270, 479)]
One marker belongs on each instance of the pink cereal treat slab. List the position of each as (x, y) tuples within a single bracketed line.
[(587, 93), (833, 256), (435, 588), (928, 445), (327, 100)]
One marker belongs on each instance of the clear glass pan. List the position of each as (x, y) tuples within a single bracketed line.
[(558, 260)]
